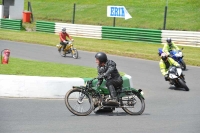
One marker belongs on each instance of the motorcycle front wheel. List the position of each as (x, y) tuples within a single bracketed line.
[(183, 65), (132, 104), (78, 102), (74, 53), (182, 84)]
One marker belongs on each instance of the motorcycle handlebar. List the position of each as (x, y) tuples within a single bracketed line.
[(92, 79)]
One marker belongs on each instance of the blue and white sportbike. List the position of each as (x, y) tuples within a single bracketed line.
[(177, 56)]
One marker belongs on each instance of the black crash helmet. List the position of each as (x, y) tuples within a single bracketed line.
[(102, 57)]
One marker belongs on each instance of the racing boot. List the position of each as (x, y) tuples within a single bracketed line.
[(113, 101)]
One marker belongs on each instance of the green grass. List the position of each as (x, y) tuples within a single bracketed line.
[(130, 49), (36, 68), (182, 14)]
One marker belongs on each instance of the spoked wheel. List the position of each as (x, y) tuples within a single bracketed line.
[(133, 104), (62, 54), (60, 50), (74, 53), (78, 103)]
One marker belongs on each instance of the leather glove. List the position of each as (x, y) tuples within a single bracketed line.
[(65, 41), (101, 76), (72, 40), (178, 66), (166, 77), (99, 82)]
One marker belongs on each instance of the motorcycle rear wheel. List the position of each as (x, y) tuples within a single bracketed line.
[(62, 54), (133, 104), (78, 103), (60, 50), (182, 84)]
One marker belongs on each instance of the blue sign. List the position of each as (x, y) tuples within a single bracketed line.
[(118, 11)]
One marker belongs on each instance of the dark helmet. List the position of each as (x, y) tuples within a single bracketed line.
[(169, 40), (102, 57), (164, 56)]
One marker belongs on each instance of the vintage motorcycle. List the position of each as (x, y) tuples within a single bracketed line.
[(177, 56), (177, 78), (69, 49), (82, 100)]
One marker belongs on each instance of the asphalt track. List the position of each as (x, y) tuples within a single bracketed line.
[(167, 109)]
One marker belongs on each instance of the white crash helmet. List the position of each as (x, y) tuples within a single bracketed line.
[(63, 29)]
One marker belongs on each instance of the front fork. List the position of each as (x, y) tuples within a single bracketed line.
[(177, 81), (80, 98), (72, 51)]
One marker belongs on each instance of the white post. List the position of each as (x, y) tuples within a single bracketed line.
[(1, 11)]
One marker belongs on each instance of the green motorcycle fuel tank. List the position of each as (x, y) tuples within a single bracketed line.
[(102, 89)]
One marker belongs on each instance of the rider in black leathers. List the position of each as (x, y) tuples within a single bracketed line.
[(107, 70)]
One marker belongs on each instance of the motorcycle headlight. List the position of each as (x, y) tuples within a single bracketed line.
[(180, 54), (177, 55), (142, 92), (85, 84)]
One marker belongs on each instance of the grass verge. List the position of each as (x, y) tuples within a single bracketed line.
[(35, 68)]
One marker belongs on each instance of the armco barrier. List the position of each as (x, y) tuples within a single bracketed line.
[(41, 87), (121, 33), (86, 31), (43, 26), (131, 34), (12, 24), (189, 38)]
